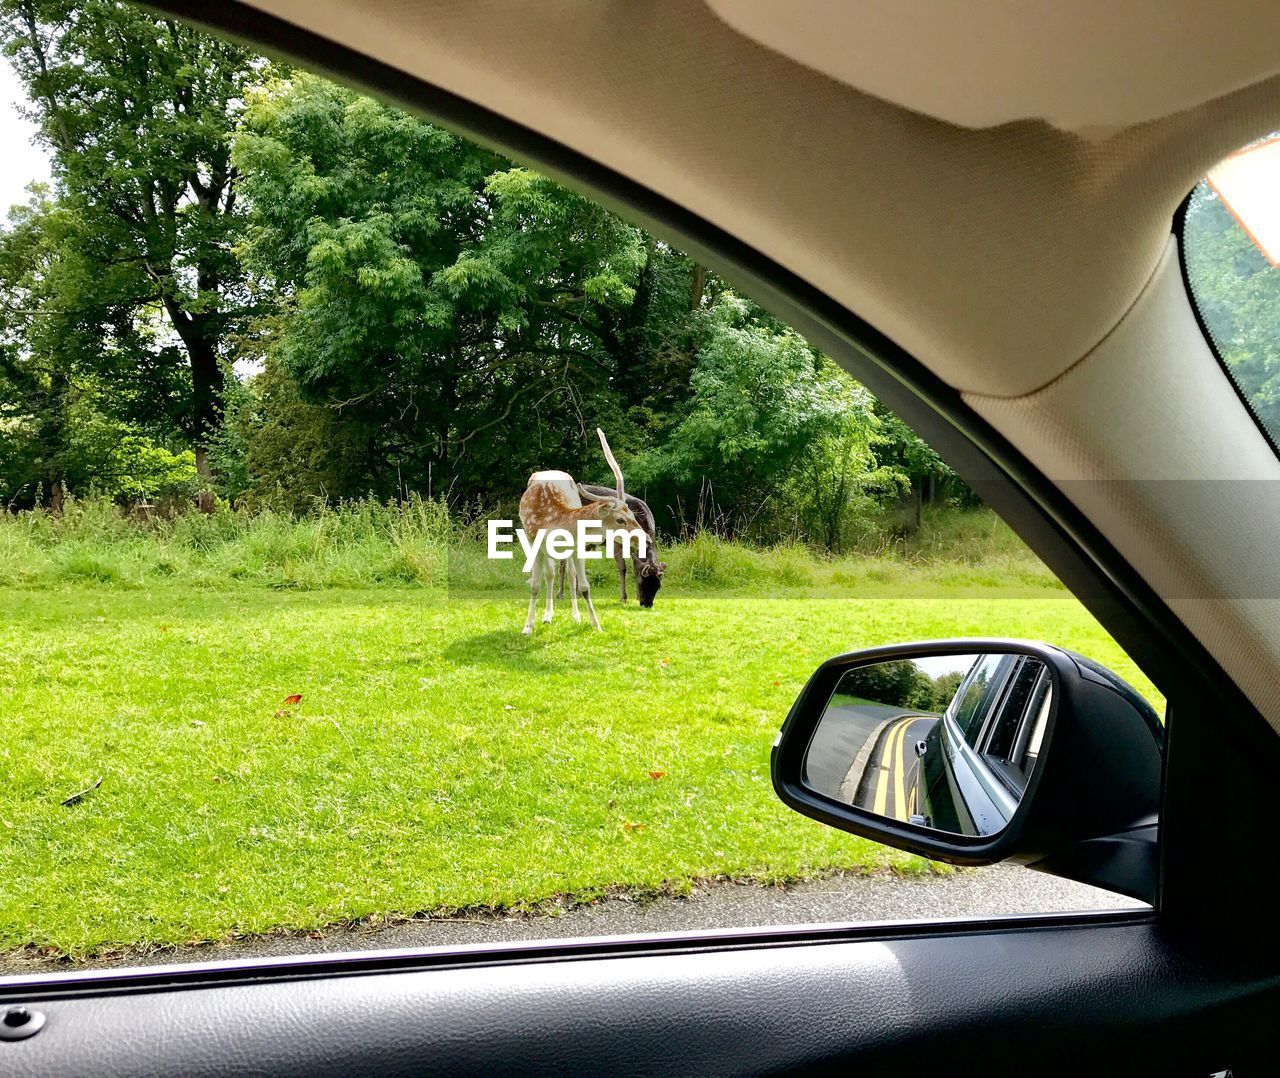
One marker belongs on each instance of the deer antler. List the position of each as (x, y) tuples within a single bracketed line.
[(608, 455)]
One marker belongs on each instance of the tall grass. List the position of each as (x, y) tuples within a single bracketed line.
[(953, 550), (415, 544), (355, 544)]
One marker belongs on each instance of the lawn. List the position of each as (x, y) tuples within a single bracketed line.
[(437, 760)]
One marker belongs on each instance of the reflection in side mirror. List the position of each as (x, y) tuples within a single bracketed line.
[(947, 742), (977, 751)]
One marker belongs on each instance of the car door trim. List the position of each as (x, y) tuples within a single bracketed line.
[(75, 984)]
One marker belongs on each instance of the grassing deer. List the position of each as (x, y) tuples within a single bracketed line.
[(553, 500), (647, 570)]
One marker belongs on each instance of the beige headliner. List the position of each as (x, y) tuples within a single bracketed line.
[(1082, 65), (1001, 257)]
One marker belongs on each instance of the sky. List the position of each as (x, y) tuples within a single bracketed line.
[(20, 161)]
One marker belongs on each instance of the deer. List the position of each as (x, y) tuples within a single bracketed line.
[(647, 570), (553, 500)]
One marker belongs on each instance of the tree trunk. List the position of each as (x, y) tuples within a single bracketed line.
[(206, 400), (909, 506), (697, 286), (206, 394), (53, 438), (204, 476)]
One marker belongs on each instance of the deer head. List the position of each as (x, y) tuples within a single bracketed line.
[(611, 510), (650, 581)]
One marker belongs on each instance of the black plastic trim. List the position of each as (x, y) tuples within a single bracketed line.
[(82, 984)]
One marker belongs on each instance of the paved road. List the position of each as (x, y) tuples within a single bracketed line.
[(1001, 889), (888, 784), (863, 754), (838, 740)]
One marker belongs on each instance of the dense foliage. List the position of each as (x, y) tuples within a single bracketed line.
[(250, 282), (121, 294)]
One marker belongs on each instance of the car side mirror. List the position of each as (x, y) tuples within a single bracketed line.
[(977, 751)]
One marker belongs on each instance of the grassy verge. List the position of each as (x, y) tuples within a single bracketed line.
[(365, 544), (437, 760), (359, 544)]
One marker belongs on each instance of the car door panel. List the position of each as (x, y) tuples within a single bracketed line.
[(994, 998)]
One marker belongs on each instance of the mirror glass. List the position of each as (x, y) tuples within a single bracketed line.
[(943, 741)]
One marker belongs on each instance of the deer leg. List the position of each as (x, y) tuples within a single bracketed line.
[(560, 575), (535, 582), (585, 587), (622, 570), (572, 569), (552, 568)]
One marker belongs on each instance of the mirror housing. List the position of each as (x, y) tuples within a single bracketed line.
[(1090, 808)]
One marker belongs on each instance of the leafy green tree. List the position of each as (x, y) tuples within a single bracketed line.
[(772, 431), (282, 451), (476, 318), (56, 339), (836, 483), (35, 389), (138, 111), (899, 683), (68, 370)]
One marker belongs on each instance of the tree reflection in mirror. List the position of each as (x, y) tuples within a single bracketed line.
[(946, 742)]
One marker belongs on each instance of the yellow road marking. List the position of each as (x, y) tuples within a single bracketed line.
[(882, 787), (892, 741), (899, 797)]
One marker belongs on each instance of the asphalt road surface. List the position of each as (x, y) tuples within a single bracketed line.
[(838, 740), (864, 755), (887, 786), (1000, 889)]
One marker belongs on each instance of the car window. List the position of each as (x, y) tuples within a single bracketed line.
[(289, 382), (1231, 246), (980, 692), (1026, 745), (1012, 728), (998, 740)]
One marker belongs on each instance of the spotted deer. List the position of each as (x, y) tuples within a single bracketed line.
[(552, 500)]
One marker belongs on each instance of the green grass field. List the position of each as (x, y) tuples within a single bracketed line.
[(437, 760)]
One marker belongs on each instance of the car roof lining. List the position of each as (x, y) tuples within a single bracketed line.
[(1091, 66)]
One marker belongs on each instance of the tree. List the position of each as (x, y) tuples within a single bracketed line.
[(69, 370), (287, 453), (899, 683), (138, 112), (772, 430), (477, 318)]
